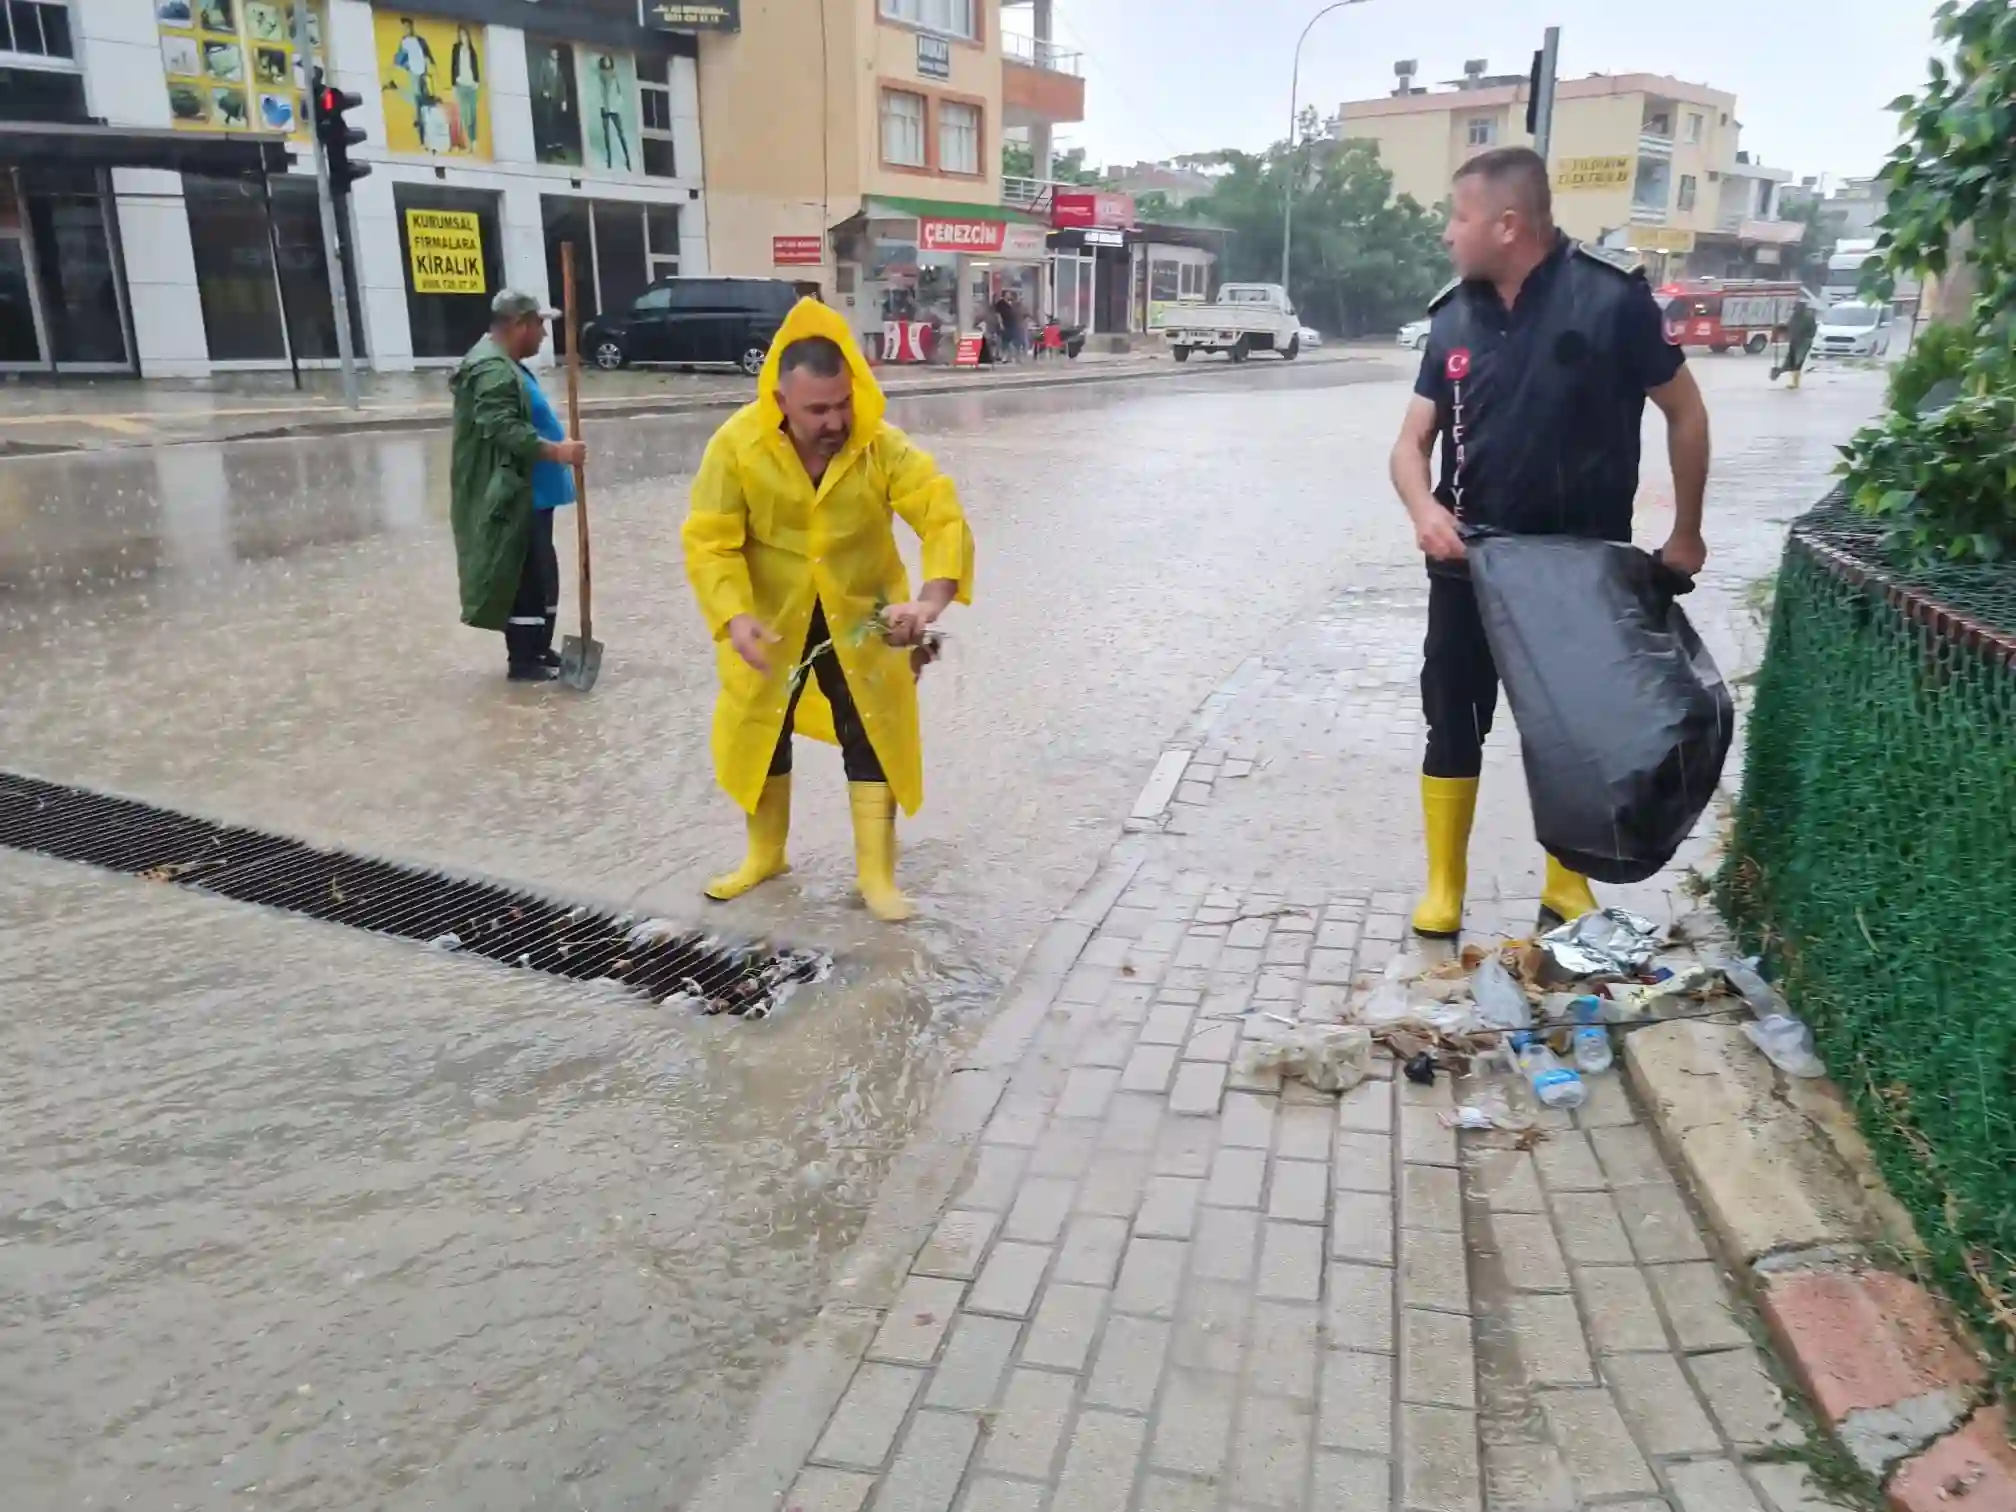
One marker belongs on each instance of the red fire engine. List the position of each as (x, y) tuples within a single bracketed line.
[(1722, 313)]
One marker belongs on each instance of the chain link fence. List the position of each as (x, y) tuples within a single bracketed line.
[(1874, 860)]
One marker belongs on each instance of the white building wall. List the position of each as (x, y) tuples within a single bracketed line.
[(119, 47)]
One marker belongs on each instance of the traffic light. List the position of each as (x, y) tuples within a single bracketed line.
[(337, 135)]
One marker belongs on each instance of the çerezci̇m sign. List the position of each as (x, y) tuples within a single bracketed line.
[(940, 234), (691, 15)]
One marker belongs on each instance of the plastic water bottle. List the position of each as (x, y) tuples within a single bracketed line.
[(1553, 1083), (1592, 1040)]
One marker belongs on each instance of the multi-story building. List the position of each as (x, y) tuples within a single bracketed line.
[(857, 143), (136, 233), (1639, 161)]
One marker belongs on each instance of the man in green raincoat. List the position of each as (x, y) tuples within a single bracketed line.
[(497, 452)]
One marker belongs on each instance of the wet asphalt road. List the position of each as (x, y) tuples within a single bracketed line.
[(296, 1218)]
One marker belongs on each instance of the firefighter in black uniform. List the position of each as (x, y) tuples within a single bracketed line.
[(1540, 358)]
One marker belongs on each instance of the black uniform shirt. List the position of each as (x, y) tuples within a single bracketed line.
[(1539, 407)]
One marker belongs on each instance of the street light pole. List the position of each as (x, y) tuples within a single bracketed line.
[(1294, 104)]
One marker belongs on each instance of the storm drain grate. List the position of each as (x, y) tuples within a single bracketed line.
[(502, 924)]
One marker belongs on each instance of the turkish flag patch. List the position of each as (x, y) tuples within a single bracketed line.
[(1458, 365)]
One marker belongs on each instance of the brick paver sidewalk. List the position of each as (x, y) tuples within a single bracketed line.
[(1164, 1285)]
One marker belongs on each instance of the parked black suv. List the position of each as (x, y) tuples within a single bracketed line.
[(693, 322)]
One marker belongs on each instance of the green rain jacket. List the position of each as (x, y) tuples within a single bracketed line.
[(491, 479)]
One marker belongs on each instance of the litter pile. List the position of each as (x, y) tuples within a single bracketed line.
[(1543, 1011)]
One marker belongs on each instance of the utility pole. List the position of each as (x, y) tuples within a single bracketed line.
[(1540, 97), (332, 251), (1294, 103)]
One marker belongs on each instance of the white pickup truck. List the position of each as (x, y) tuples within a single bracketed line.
[(1246, 318)]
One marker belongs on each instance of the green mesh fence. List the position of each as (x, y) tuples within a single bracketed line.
[(1875, 860)]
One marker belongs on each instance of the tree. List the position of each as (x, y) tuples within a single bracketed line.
[(1817, 243), (1363, 259), (1018, 161)]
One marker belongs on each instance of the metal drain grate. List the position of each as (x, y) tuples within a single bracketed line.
[(480, 918)]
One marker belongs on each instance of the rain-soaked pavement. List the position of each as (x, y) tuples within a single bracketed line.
[(297, 1218)]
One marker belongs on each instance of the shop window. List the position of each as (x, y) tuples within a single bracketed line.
[(1165, 282), (661, 240), (954, 18), (448, 324), (1194, 280), (958, 137), (37, 29), (235, 277), (1483, 131), (902, 128), (654, 105), (1687, 191)]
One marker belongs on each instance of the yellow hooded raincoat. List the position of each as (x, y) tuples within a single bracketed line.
[(760, 540)]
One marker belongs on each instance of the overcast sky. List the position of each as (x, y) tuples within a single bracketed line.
[(1811, 77)]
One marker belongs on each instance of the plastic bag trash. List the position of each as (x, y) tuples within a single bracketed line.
[(1763, 998), (1614, 942), (448, 941), (1501, 1002), (1489, 1109), (1329, 1057), (1786, 1043), (654, 932), (1624, 719)]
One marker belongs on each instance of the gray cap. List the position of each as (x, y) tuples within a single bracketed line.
[(516, 304)]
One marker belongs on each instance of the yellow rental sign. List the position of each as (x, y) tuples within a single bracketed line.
[(446, 249), (1592, 173)]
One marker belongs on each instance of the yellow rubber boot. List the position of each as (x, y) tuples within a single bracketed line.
[(1448, 804), (768, 827), (1566, 895), (874, 809)]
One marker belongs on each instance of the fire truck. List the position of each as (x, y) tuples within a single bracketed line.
[(1720, 313)]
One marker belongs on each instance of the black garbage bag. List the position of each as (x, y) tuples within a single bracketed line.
[(1624, 719)]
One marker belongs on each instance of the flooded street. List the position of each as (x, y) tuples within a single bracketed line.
[(297, 1218)]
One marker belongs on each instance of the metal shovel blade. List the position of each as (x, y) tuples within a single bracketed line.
[(580, 662)]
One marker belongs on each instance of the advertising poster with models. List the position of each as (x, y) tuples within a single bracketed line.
[(556, 103), (609, 109), (434, 76)]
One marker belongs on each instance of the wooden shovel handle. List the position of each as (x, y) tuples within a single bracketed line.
[(573, 317)]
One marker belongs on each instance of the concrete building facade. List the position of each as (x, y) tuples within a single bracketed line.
[(1639, 160), (499, 128)]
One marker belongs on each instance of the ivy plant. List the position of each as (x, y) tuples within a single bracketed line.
[(1945, 484)]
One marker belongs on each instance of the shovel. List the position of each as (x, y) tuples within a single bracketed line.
[(580, 655)]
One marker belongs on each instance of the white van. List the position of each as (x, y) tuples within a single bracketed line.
[(1854, 329)]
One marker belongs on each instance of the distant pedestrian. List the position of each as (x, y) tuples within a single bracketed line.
[(511, 467), (1011, 325), (1799, 333)]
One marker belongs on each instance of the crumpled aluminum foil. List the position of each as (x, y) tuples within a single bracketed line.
[(1614, 942)]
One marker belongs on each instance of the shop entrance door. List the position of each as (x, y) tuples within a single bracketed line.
[(62, 300), (1073, 285), (24, 347)]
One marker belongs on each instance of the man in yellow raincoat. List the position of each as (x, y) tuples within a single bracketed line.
[(789, 549)]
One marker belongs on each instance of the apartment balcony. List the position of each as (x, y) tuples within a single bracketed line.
[(1030, 194), (1648, 215), (1041, 83), (1654, 144)]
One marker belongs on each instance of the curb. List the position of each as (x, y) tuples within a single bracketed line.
[(1797, 1209), (630, 408)]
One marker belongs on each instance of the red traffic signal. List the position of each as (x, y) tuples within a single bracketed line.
[(337, 135)]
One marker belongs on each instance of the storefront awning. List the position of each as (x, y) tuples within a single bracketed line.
[(894, 205), (43, 144)]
